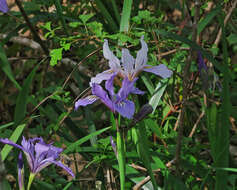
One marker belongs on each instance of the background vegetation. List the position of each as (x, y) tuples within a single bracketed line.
[(50, 49)]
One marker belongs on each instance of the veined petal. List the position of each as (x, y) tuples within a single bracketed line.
[(141, 58), (3, 6), (125, 90), (101, 77), (160, 70), (39, 149), (43, 164), (102, 94), (126, 108), (128, 62), (60, 164), (114, 62), (109, 85), (85, 101)]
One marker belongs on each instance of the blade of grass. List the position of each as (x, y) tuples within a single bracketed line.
[(106, 15), (14, 137), (5, 66), (208, 18), (223, 136), (144, 152), (125, 18), (211, 114), (116, 10), (22, 98), (74, 145), (6, 125)]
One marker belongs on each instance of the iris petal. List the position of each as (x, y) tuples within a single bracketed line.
[(126, 108), (85, 101), (3, 6), (160, 70)]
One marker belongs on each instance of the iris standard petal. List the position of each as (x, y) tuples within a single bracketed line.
[(3, 6), (114, 62), (141, 58), (39, 149), (128, 62), (101, 77), (160, 70), (126, 108), (85, 101), (102, 94)]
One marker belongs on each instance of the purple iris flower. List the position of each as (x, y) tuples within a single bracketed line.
[(201, 63), (3, 6), (130, 67), (39, 155), (20, 172), (115, 102)]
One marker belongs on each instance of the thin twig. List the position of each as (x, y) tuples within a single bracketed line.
[(141, 183), (195, 125)]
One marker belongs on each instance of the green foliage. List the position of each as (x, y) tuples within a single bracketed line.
[(38, 92)]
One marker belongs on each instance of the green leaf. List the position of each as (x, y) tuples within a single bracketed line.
[(74, 145), (148, 84), (14, 137), (232, 39), (5, 66), (208, 18), (144, 151), (155, 99), (125, 18), (85, 18), (22, 98), (56, 55), (6, 125)]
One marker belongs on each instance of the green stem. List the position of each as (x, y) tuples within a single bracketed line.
[(121, 156), (31, 178)]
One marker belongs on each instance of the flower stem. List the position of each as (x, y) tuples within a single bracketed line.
[(121, 156), (31, 178)]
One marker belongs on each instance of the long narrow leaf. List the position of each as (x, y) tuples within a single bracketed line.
[(223, 136), (144, 151), (74, 145), (106, 15), (125, 18), (14, 137), (22, 98), (5, 66)]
